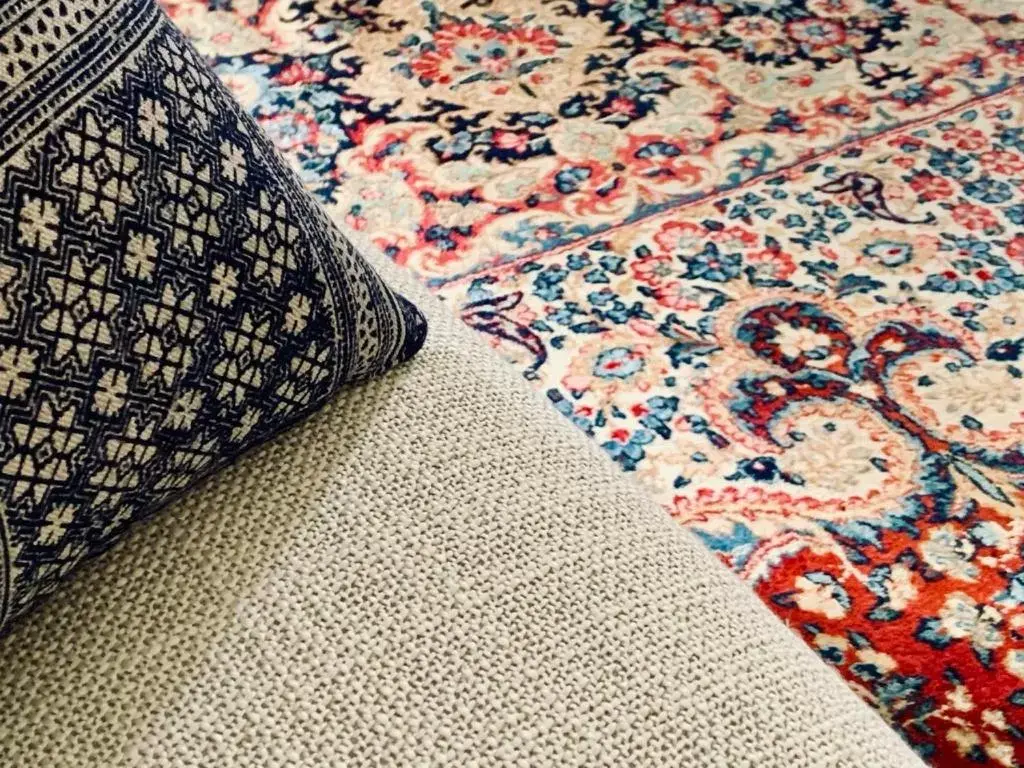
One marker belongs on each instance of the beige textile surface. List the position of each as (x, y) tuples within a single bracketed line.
[(436, 570)]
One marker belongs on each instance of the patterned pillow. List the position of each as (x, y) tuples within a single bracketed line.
[(169, 295)]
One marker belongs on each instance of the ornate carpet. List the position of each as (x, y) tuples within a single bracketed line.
[(768, 253)]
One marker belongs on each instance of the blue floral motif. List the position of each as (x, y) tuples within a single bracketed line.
[(712, 265), (890, 253), (617, 363)]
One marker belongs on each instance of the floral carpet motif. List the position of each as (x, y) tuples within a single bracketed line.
[(768, 253)]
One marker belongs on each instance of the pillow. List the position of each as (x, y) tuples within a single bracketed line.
[(169, 294)]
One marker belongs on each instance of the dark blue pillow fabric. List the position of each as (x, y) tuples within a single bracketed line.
[(169, 294)]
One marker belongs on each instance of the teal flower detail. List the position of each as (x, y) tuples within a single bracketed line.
[(618, 363)]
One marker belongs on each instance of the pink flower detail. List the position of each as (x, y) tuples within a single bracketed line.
[(299, 72), (965, 138), (652, 270), (1001, 161), (511, 140), (931, 187), (677, 295), (681, 237), (771, 264), (974, 217), (1015, 248)]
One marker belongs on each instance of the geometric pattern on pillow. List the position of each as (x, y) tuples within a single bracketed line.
[(170, 296)]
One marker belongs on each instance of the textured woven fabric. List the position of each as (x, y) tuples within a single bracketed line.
[(466, 601), (169, 295)]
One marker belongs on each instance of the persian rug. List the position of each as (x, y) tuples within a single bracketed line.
[(768, 253)]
